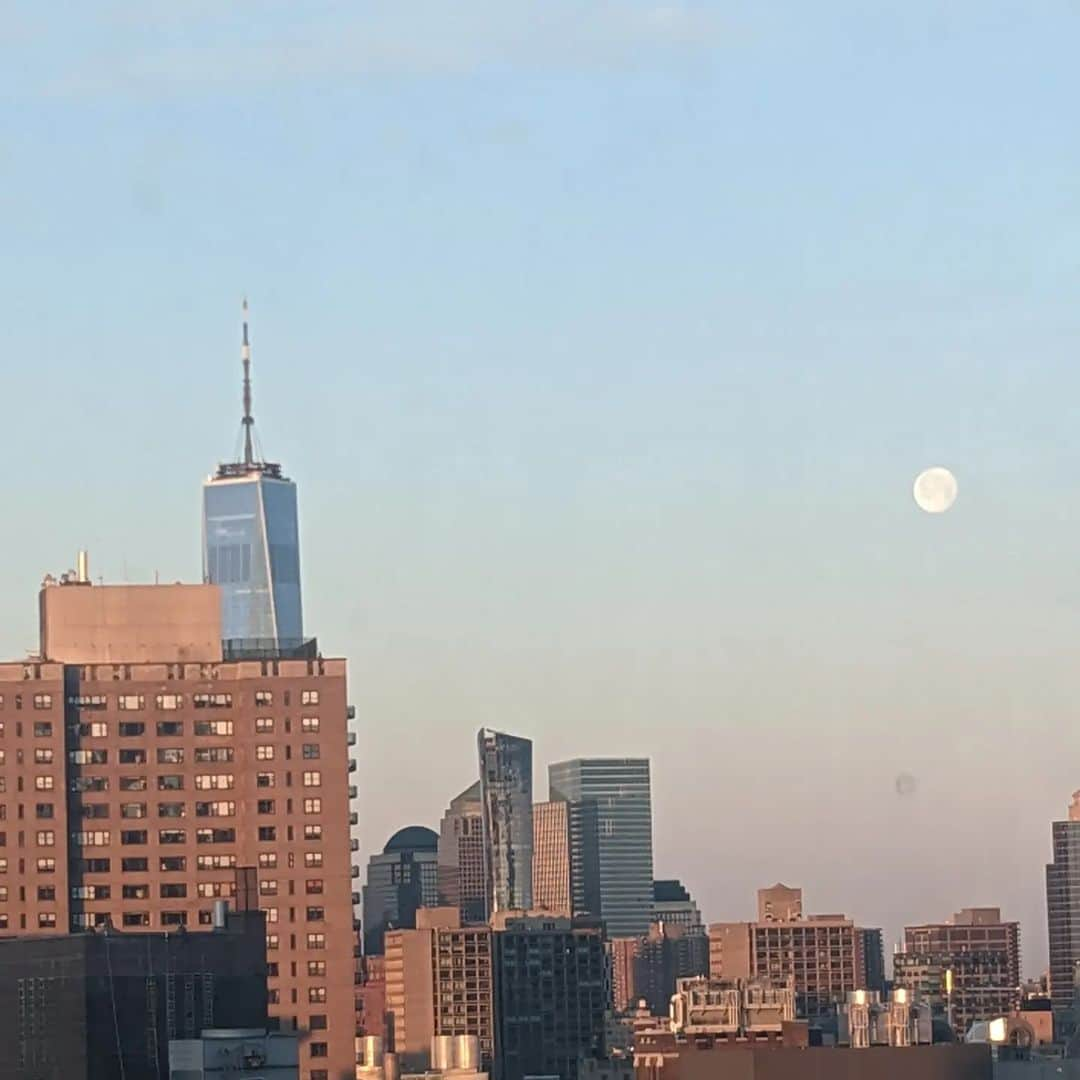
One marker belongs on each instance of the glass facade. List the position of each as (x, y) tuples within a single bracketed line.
[(610, 839), (402, 879), (251, 549), (506, 796)]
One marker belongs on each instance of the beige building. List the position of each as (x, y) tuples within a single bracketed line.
[(141, 776), (553, 889), (438, 983), (823, 954)]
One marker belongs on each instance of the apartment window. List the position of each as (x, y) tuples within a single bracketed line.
[(264, 697), (316, 914), (267, 834), (316, 968), (271, 942), (311, 751), (132, 757), (267, 860), (215, 862), (43, 701), (170, 809), (89, 783), (212, 701), (215, 836), (313, 886), (170, 755), (136, 918), (43, 810), (169, 702), (317, 1023), (312, 858), (46, 838), (268, 887), (42, 755), (44, 866), (172, 864), (213, 727), (44, 783), (130, 728), (174, 918), (313, 806), (264, 724), (98, 811), (312, 832), (312, 779), (320, 1074), (42, 729), (264, 779), (46, 920), (89, 701), (316, 995), (44, 892), (138, 865), (319, 1049), (214, 781), (130, 702), (215, 809), (133, 809), (96, 730), (309, 724), (170, 727), (272, 971), (3, 866), (309, 697), (266, 806), (172, 890), (135, 892), (133, 836), (90, 838), (213, 753), (132, 783), (171, 782), (171, 836), (216, 889), (271, 914), (264, 752), (273, 997), (88, 757), (90, 892)]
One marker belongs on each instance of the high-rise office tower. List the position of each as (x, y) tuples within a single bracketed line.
[(674, 906), (611, 839), (402, 879), (552, 994), (1063, 917), (143, 777), (251, 541), (462, 883), (552, 883), (981, 952), (506, 796)]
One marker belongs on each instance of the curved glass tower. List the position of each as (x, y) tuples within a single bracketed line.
[(251, 543)]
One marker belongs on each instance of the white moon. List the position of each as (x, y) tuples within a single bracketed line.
[(935, 490)]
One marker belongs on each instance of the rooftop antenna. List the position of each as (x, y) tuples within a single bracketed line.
[(249, 420)]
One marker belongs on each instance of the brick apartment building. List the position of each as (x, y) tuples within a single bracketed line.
[(141, 767)]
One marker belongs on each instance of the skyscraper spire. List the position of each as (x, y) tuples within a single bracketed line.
[(249, 420)]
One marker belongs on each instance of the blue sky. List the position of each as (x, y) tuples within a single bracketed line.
[(604, 340)]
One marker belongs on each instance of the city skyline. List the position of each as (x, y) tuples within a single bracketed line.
[(605, 425)]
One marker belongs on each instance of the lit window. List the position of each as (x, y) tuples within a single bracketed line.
[(316, 995), (215, 809), (212, 701), (313, 886), (213, 753), (264, 697), (96, 730), (213, 727), (309, 723), (316, 967), (89, 701), (42, 756), (46, 919), (43, 783), (214, 781), (44, 866), (271, 914), (90, 838), (211, 890), (170, 755), (46, 838), (267, 860), (316, 941), (88, 757), (271, 942), (215, 836), (313, 806), (215, 862), (268, 887), (130, 702), (312, 832), (264, 752), (43, 701), (312, 779), (264, 723), (169, 702), (309, 697), (312, 858)]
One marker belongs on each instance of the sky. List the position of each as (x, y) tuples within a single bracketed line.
[(604, 341)]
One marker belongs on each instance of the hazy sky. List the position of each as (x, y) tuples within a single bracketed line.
[(604, 341)]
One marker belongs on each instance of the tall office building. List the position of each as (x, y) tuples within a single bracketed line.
[(462, 883), (824, 954), (611, 839), (141, 773), (552, 883), (439, 981), (1063, 917), (674, 906), (981, 952), (251, 542), (506, 796), (403, 878), (552, 994)]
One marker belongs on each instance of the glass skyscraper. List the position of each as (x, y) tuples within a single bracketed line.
[(610, 838), (251, 542), (506, 796)]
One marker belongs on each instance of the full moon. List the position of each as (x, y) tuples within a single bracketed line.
[(935, 490)]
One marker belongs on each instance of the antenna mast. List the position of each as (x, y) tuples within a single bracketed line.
[(249, 420)]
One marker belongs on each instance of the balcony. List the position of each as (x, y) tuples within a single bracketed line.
[(356, 898), (353, 791), (354, 844), (354, 818), (352, 764), (351, 738), (350, 712), (354, 871)]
